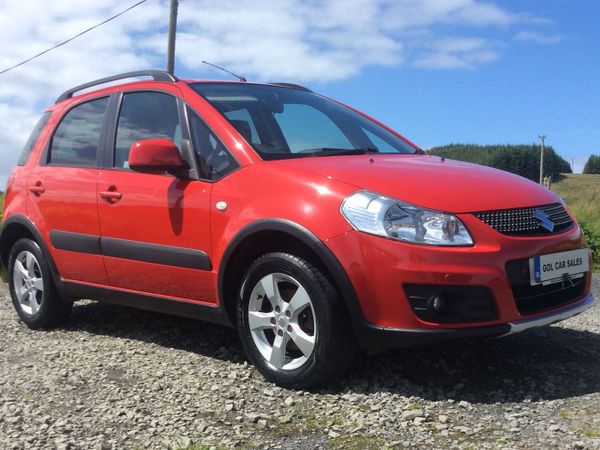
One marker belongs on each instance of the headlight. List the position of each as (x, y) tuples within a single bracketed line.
[(391, 218)]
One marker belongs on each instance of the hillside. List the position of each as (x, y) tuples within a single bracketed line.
[(522, 160), (582, 195)]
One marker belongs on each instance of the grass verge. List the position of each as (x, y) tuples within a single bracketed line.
[(581, 192)]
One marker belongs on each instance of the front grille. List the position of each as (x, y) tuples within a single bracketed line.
[(531, 299), (523, 222)]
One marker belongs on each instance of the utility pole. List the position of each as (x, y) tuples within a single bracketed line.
[(542, 139), (172, 33)]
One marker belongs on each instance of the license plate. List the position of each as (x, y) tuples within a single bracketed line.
[(551, 268)]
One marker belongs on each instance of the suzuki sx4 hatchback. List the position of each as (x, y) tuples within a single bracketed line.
[(305, 224)]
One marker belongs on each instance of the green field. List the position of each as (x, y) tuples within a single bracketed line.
[(582, 195)]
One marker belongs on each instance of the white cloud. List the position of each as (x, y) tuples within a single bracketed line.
[(293, 40), (326, 40), (457, 53), (28, 27), (538, 38)]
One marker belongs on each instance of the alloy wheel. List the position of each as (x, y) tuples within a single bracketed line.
[(28, 282), (282, 321)]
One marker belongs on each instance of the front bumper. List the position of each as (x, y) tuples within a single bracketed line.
[(379, 269), (374, 337)]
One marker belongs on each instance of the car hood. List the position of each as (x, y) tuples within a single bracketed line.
[(429, 181)]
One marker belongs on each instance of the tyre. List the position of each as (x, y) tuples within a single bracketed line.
[(292, 323), (34, 294)]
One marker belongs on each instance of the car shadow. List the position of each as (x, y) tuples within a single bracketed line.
[(540, 364)]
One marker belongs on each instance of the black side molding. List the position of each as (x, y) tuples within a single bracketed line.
[(153, 253), (75, 242), (132, 250)]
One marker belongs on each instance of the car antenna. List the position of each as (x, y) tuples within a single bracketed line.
[(225, 70)]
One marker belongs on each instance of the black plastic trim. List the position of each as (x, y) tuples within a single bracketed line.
[(156, 75), (148, 302), (75, 242), (379, 338), (109, 130), (321, 250), (154, 253), (133, 250), (462, 303), (18, 219), (291, 86)]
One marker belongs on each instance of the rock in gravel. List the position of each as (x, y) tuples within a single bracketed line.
[(412, 414), (465, 404), (419, 420)]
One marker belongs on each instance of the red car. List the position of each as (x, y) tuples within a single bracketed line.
[(310, 227)]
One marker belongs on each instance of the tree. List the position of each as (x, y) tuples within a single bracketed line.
[(592, 165), (522, 160)]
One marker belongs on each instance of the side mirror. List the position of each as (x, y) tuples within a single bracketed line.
[(155, 156)]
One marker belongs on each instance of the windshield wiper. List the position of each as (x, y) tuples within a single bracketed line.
[(330, 151)]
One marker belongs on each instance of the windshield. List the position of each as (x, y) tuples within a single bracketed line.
[(283, 123)]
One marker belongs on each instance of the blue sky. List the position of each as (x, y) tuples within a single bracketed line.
[(438, 71), (531, 88)]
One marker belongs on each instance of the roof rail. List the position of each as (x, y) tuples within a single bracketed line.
[(292, 85), (157, 75)]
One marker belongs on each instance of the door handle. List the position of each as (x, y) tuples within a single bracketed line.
[(37, 189), (111, 195)]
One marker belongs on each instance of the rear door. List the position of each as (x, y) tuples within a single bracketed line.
[(62, 197), (156, 229)]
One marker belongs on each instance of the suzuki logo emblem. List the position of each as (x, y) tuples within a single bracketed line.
[(544, 220)]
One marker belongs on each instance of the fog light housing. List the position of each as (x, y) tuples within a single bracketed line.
[(451, 304)]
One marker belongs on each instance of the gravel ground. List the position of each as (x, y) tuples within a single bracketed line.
[(116, 378)]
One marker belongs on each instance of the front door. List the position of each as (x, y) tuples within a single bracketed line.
[(155, 227)]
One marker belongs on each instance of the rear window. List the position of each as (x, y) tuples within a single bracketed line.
[(76, 139), (33, 137)]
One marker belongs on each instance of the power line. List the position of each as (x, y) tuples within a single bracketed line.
[(72, 38)]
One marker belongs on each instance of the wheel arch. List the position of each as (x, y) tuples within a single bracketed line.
[(268, 235), (17, 227)]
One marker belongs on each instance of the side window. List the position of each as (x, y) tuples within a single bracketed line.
[(76, 139), (214, 158), (35, 134), (145, 115)]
